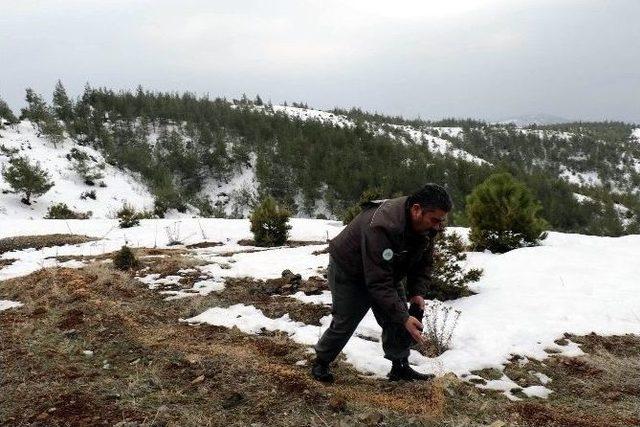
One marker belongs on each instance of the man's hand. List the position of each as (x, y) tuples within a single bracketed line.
[(414, 327), (419, 301)]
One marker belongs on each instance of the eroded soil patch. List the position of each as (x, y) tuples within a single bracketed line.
[(17, 243)]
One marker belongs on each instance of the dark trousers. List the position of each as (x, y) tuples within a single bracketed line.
[(351, 302)]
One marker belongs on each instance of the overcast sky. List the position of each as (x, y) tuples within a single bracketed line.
[(490, 59)]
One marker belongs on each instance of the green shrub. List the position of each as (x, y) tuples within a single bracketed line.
[(503, 215), (167, 197), (269, 223), (29, 179), (62, 211), (125, 259), (88, 195), (128, 216), (85, 166), (448, 279)]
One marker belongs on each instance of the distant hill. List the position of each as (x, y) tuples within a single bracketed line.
[(533, 119), (186, 155)]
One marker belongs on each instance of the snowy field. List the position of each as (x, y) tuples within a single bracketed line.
[(526, 299)]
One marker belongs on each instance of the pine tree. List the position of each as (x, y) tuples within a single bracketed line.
[(269, 223), (62, 104), (503, 215), (52, 130), (6, 113), (36, 110), (27, 178)]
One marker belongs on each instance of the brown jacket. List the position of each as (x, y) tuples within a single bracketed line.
[(379, 249)]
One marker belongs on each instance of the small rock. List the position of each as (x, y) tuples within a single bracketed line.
[(43, 416), (193, 358), (87, 353), (234, 399), (337, 404), (70, 333), (198, 380), (498, 423), (371, 418), (287, 273)]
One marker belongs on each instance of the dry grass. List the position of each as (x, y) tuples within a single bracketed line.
[(149, 368), (17, 243)]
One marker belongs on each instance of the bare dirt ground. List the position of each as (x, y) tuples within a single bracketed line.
[(17, 243), (95, 347)]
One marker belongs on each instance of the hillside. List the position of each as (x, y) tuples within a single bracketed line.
[(213, 157), (102, 198)]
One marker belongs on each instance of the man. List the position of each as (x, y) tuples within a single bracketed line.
[(388, 241)]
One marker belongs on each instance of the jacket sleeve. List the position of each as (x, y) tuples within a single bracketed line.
[(419, 275), (378, 274)]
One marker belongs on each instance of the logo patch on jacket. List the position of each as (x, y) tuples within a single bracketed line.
[(387, 254)]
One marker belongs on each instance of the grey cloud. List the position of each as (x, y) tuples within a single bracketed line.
[(481, 58)]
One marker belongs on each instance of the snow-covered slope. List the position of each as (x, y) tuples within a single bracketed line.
[(430, 136), (526, 299), (121, 186)]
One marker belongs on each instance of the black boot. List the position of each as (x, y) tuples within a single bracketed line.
[(400, 370), (321, 372)]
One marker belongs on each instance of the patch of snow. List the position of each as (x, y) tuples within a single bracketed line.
[(537, 391), (454, 132), (6, 304), (251, 320), (581, 178), (230, 194), (267, 264), (438, 145), (581, 198), (322, 299), (504, 384), (311, 114), (201, 288), (542, 377)]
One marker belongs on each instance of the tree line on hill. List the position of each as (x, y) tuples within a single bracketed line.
[(180, 142)]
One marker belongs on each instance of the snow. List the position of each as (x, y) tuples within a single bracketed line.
[(526, 299), (438, 145), (636, 134), (544, 379), (228, 193), (537, 391), (311, 114), (452, 131), (251, 320), (581, 198), (580, 178), (151, 233), (434, 143), (322, 299), (6, 304), (121, 186)]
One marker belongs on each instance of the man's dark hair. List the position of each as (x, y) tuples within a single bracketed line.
[(431, 197)]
